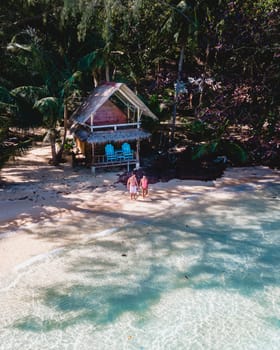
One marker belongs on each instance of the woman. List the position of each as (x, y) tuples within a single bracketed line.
[(144, 185)]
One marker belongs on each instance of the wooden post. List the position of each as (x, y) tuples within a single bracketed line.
[(138, 118), (92, 160), (92, 154), (91, 123), (137, 154)]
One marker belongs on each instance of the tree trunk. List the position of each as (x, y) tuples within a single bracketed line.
[(52, 137), (65, 120), (107, 72), (179, 77), (180, 65), (203, 76), (95, 78)]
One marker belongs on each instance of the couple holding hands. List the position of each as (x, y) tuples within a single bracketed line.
[(132, 186)]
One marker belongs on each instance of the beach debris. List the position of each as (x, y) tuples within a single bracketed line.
[(124, 255), (23, 198)]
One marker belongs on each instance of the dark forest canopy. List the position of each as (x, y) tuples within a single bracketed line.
[(216, 61)]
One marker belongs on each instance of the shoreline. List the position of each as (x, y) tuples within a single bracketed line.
[(39, 203)]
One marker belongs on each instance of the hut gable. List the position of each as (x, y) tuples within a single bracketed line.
[(109, 113), (86, 113)]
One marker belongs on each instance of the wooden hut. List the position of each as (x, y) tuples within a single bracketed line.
[(111, 115)]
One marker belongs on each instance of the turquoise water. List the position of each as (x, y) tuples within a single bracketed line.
[(203, 275)]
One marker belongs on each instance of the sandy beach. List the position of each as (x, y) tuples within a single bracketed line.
[(38, 200), (83, 266)]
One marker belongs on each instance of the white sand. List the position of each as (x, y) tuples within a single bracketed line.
[(38, 200)]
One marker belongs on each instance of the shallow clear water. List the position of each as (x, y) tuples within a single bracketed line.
[(203, 275)]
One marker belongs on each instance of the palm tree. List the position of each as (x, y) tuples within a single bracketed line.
[(54, 110), (49, 100), (182, 23), (9, 113)]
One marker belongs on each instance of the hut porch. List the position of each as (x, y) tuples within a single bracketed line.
[(94, 155), (100, 121)]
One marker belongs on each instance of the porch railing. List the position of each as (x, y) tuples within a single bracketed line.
[(115, 126), (118, 159)]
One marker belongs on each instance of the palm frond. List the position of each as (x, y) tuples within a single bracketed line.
[(92, 60), (235, 152), (48, 105), (30, 93), (5, 95), (201, 151)]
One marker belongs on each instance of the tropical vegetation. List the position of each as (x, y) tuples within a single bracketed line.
[(208, 69)]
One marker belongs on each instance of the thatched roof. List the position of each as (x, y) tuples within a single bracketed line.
[(83, 117), (111, 136), (101, 94)]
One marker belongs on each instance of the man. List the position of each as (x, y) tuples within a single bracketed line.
[(144, 185), (132, 186)]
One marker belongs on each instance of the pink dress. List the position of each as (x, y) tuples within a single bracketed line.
[(144, 183)]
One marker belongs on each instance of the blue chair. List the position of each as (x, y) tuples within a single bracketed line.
[(110, 152), (127, 151)]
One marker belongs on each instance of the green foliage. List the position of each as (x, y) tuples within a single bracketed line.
[(199, 131), (5, 96), (8, 109), (92, 60), (10, 149), (149, 124), (54, 50), (201, 151), (154, 104), (29, 93), (51, 109), (25, 97), (233, 151), (69, 144)]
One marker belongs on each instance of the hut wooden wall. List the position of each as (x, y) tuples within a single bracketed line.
[(80, 145), (109, 113)]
